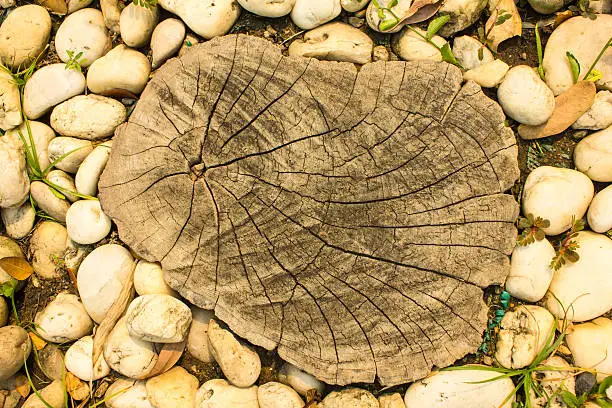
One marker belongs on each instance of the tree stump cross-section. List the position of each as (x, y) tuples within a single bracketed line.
[(349, 218)]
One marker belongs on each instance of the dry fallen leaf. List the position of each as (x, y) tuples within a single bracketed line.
[(113, 314), (168, 356), (77, 389), (54, 6), (22, 385), (38, 343), (562, 16), (569, 106), (17, 267), (497, 33), (420, 10)]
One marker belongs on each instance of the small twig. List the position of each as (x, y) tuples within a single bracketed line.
[(293, 36)]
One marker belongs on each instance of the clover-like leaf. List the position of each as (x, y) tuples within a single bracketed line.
[(348, 218)]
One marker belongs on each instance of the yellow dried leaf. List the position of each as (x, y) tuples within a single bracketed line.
[(38, 343), (17, 267), (77, 389), (54, 6), (22, 385)]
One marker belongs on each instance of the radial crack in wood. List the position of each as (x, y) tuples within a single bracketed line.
[(348, 218)]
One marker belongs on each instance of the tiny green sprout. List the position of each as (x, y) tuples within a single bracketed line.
[(593, 74), (532, 229), (388, 19), (75, 60), (539, 51), (574, 65), (7, 289), (434, 26), (502, 17), (568, 246), (148, 4), (188, 43)]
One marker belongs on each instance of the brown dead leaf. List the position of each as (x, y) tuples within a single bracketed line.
[(54, 6), (497, 33), (38, 343), (569, 106), (77, 389), (17, 267), (420, 10), (168, 356), (114, 314), (561, 17), (22, 385)]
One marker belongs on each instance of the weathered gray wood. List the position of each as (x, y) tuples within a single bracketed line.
[(349, 218)]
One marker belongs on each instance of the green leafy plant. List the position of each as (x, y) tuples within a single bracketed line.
[(432, 29), (388, 19), (149, 4), (75, 60), (502, 17), (532, 229), (494, 320), (539, 51), (583, 7), (597, 395), (574, 65), (593, 74), (568, 246), (7, 289)]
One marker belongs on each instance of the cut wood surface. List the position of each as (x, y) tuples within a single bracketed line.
[(348, 218)]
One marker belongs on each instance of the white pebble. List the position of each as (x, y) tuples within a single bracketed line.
[(167, 38), (90, 170), (63, 319), (525, 97), (83, 32), (79, 362), (600, 211), (86, 222), (149, 280)]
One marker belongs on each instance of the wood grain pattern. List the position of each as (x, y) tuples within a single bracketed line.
[(348, 218)]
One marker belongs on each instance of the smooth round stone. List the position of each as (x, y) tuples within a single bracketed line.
[(65, 182), (8, 249), (349, 398), (128, 355), (463, 14), (86, 222), (158, 318), (266, 8), (127, 393), (391, 401), (207, 19), (373, 17), (558, 195), (452, 389), (149, 280), (166, 40), (530, 273), (591, 347), (593, 155), (546, 6), (136, 24), (525, 97), (101, 278), (47, 248), (335, 42), (83, 31), (584, 38), (89, 172), (63, 320), (47, 201), (197, 339), (240, 365), (552, 382), (583, 287), (585, 382), (353, 6), (68, 153), (277, 395), (220, 393), (15, 186), (53, 394), (122, 68), (18, 221), (466, 49), (599, 116), (42, 136), (600, 211), (50, 85), (524, 332), (411, 47), (15, 347), (18, 50), (79, 361), (10, 102), (174, 388), (90, 117), (299, 380), (4, 313), (51, 360), (76, 5), (308, 14)]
